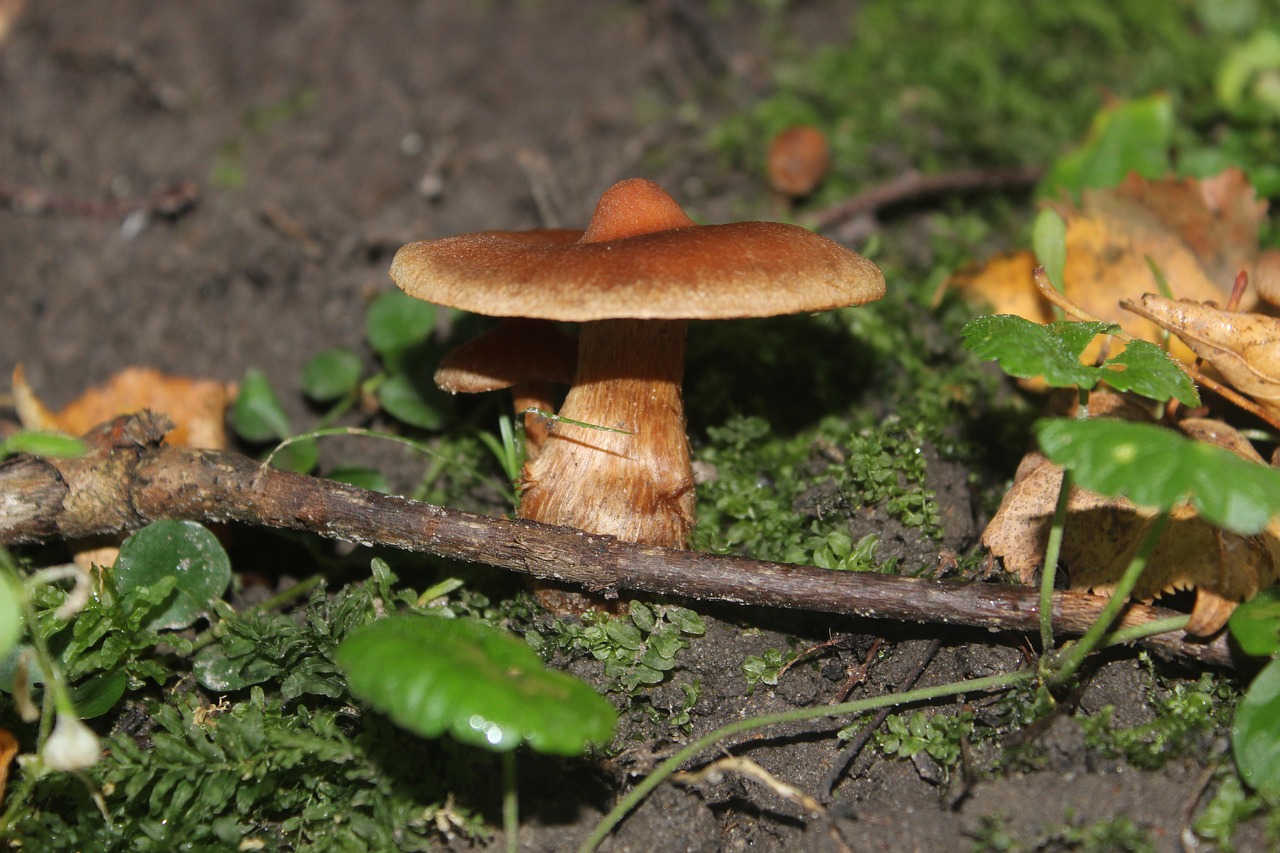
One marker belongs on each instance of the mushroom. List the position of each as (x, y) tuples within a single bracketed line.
[(529, 357), (798, 161), (616, 461)]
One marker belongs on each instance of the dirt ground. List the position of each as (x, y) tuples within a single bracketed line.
[(318, 137)]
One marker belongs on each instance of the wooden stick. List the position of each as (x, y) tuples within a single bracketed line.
[(129, 479)]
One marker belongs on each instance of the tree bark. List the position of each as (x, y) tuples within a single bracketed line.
[(129, 479)]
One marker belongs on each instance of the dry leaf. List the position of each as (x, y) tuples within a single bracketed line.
[(1244, 347), (1199, 233), (196, 406), (1102, 535), (9, 12), (8, 749)]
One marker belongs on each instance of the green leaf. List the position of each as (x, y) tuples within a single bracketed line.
[(11, 620), (184, 551), (331, 374), (257, 414), (1049, 238), (361, 477), (1150, 371), (1132, 136), (299, 456), (1159, 468), (483, 686), (406, 401), (1255, 733), (1255, 624), (1242, 77), (1025, 349), (42, 444), (397, 321), (98, 694)]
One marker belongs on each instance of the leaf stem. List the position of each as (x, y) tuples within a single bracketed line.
[(668, 767), (1093, 638), (1051, 552)]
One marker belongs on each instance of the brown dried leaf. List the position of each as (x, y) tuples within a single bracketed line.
[(1244, 347), (1102, 535), (196, 406)]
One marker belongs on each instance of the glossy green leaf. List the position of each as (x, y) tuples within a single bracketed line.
[(1157, 467), (1027, 350), (1049, 239), (1146, 369), (257, 414), (331, 374), (184, 551), (1255, 733), (99, 693), (479, 684), (396, 321), (1255, 624)]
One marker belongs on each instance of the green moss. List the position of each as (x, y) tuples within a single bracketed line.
[(924, 85)]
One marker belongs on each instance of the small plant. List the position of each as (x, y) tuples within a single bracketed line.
[(766, 668), (638, 648), (940, 736)]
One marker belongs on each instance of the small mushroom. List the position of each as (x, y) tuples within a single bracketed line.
[(639, 272), (798, 161), (529, 357)]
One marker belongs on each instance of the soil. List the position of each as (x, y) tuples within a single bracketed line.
[(320, 136)]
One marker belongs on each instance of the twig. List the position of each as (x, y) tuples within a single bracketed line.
[(841, 765), (171, 201), (913, 186), (128, 480)]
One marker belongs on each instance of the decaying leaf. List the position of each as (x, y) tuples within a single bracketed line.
[(1199, 234), (1242, 346), (197, 407), (1102, 534), (8, 749)]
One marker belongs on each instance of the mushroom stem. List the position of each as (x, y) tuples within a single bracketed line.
[(636, 485)]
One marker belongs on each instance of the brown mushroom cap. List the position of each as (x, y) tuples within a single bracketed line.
[(516, 350), (679, 271)]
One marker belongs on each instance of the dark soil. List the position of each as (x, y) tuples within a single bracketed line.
[(322, 135)]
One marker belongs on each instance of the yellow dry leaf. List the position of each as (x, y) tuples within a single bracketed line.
[(1102, 534), (196, 406), (1199, 233), (1244, 347)]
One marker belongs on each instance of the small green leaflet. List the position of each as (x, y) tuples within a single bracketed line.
[(1157, 467), (1254, 733), (1026, 350), (1255, 624), (1049, 237)]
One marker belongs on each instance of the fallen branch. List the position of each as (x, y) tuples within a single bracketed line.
[(913, 186), (129, 479)]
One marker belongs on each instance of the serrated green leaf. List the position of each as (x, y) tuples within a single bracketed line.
[(331, 374), (257, 414), (1026, 350), (1049, 240), (1157, 467), (184, 551), (483, 686), (1255, 735), (396, 321), (1150, 371), (1255, 624)]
